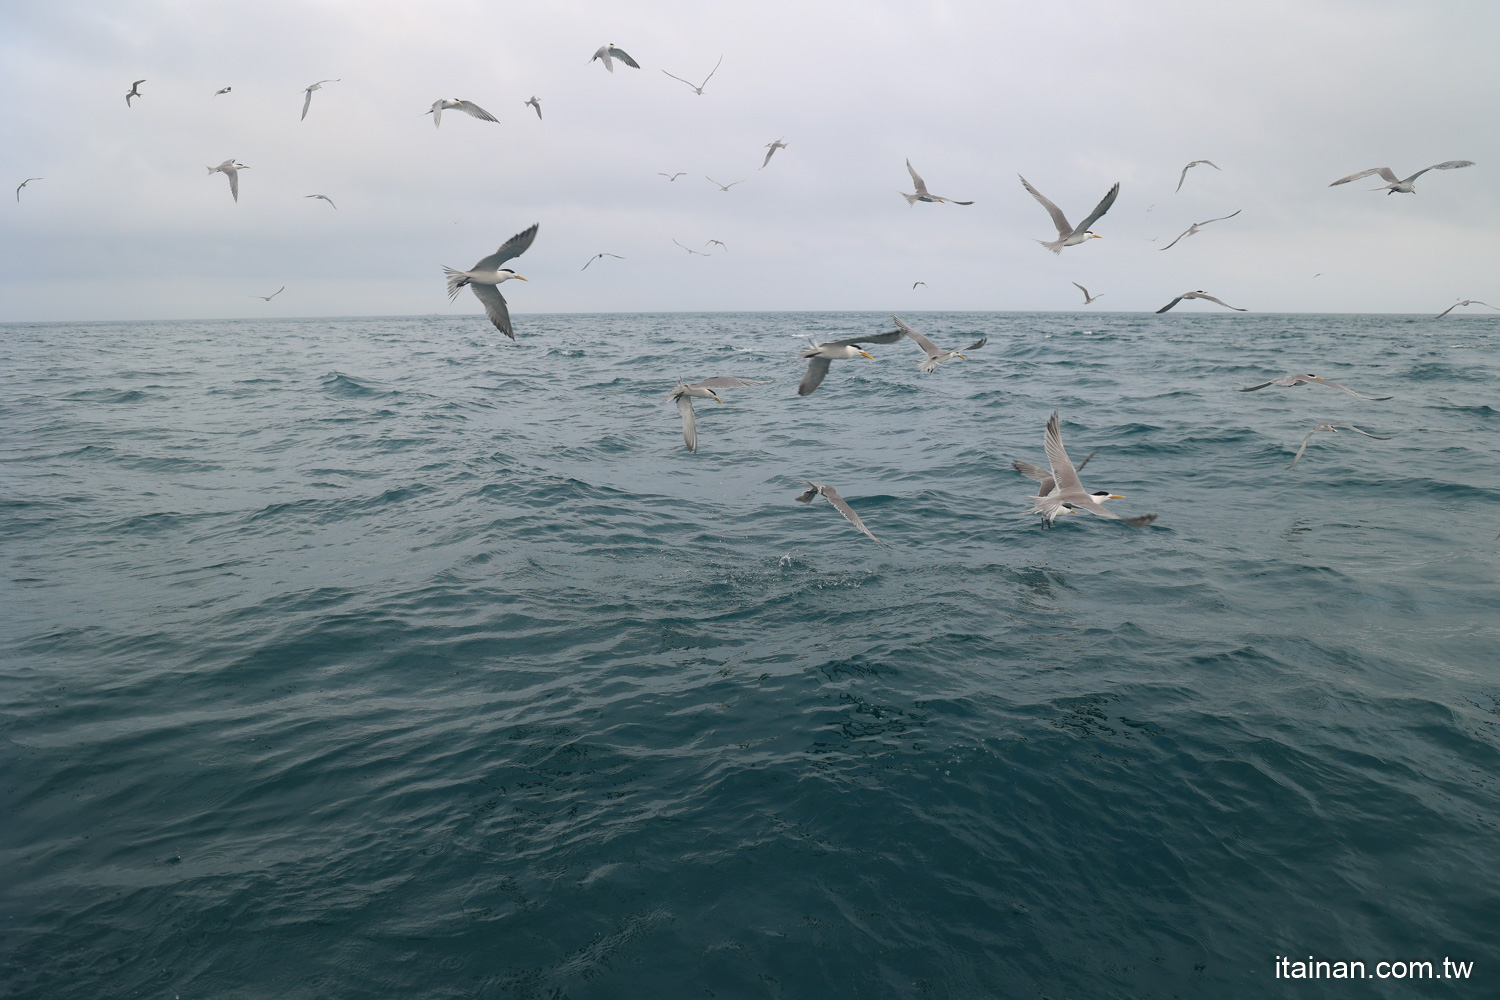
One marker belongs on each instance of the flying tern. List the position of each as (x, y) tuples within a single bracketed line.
[(1397, 185), (268, 298), (690, 250), (671, 177), (722, 187), (921, 193), (596, 256), (1193, 229), (30, 179), (467, 107), (1461, 302), (771, 148), (1087, 300), (717, 242), (819, 356), (1068, 493), (684, 394), (1332, 429), (609, 52), (1067, 234), (1290, 380), (1045, 483), (134, 91), (832, 496), (324, 197), (486, 276), (699, 88), (222, 90), (1199, 294), (535, 104), (308, 90), (1190, 166), (230, 169), (935, 354)]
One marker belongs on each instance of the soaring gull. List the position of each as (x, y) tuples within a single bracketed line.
[(1193, 229), (685, 393), (230, 169), (935, 354), (1461, 302), (819, 356), (1068, 493), (921, 194), (1395, 184), (487, 275), (1199, 294), (1189, 167), (699, 88), (1290, 380), (608, 53), (1332, 429), (467, 107), (1067, 234), (308, 90), (838, 502)]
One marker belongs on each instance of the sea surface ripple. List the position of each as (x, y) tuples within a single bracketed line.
[(387, 658)]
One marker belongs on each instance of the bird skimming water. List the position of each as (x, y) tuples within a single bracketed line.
[(832, 496), (1290, 380), (1068, 493), (820, 356), (684, 394), (1332, 429)]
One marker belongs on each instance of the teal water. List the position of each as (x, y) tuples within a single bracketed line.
[(387, 658)]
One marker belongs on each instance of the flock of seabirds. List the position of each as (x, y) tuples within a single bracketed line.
[(1059, 489)]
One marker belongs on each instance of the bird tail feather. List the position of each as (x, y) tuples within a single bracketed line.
[(456, 281)]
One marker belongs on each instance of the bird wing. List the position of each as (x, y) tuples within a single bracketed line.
[(769, 153), (494, 307), (475, 111), (329, 200), (624, 57), (927, 346), (726, 382), (1221, 302), (1382, 171), (1062, 469), (1367, 434), (1302, 449), (875, 338), (1330, 382), (956, 202), (681, 80), (1064, 229), (917, 180), (306, 103), (1445, 165), (1174, 242), (711, 73), (1085, 292), (1260, 386), (513, 247), (234, 182), (602, 52), (977, 344), (1438, 316), (843, 508), (276, 293), (1222, 217), (689, 422), (1030, 471), (1173, 303), (817, 370), (437, 114), (1101, 208), (1183, 176), (538, 106)]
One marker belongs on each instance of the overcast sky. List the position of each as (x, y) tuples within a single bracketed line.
[(1284, 96)]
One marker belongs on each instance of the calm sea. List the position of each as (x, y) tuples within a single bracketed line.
[(386, 658)]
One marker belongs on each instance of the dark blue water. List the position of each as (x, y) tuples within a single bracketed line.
[(387, 658)]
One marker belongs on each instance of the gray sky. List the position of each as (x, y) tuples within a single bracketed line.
[(1284, 96)]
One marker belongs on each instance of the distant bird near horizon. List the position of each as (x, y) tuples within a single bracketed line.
[(1190, 166), (268, 298), (771, 148), (230, 169), (921, 193), (608, 50), (1193, 229), (914, 284), (1087, 300), (839, 504), (30, 179), (1291, 380), (134, 91), (1067, 234), (324, 197), (684, 394), (308, 91), (1068, 494), (671, 177), (467, 107), (1199, 294), (935, 354), (596, 256), (224, 90), (485, 277), (1397, 185), (1332, 429), (691, 250), (535, 104), (722, 187), (820, 356), (1461, 302), (699, 88)]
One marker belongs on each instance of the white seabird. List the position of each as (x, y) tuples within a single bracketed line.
[(1087, 300), (1067, 234), (134, 91), (324, 197), (1397, 185), (30, 179), (1068, 493), (1190, 166), (921, 193), (1332, 429), (1460, 302), (684, 394), (832, 496), (935, 354), (485, 277), (820, 356), (308, 90), (608, 52), (230, 169), (771, 148), (1291, 380), (699, 88), (1193, 229), (1199, 294), (467, 107)]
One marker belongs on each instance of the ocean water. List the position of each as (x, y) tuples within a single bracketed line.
[(386, 658)]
